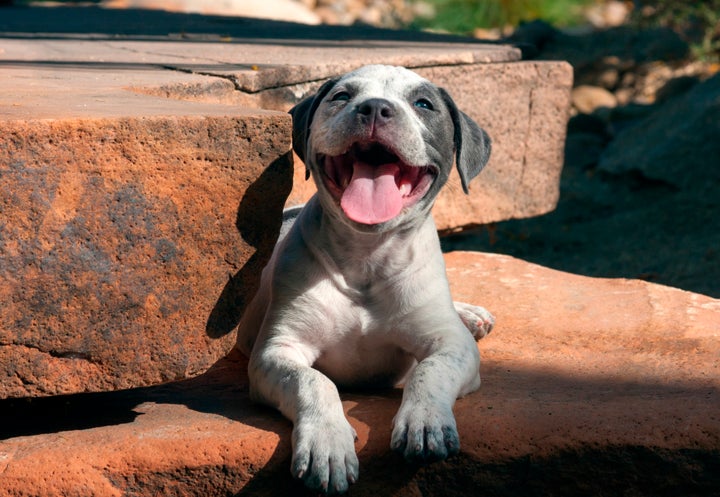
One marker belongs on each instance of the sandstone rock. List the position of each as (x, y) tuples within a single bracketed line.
[(649, 210), (387, 13), (526, 117), (117, 238), (653, 83), (587, 99), (590, 387), (608, 14), (589, 53), (656, 221)]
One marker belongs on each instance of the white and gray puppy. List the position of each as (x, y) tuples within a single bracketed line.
[(355, 293)]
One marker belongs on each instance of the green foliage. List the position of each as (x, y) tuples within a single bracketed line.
[(462, 16), (698, 22)]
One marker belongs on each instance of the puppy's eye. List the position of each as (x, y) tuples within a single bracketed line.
[(424, 103), (341, 96)]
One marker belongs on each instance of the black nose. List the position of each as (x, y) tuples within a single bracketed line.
[(376, 110)]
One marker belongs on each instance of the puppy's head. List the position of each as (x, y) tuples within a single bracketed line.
[(381, 141)]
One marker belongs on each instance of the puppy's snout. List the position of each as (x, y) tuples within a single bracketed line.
[(376, 110)]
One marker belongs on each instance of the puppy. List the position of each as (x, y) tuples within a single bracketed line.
[(355, 293)]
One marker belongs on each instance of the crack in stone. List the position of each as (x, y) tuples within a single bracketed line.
[(170, 67), (232, 79), (526, 139), (58, 354)]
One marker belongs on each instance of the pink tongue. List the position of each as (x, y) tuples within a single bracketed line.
[(372, 197)]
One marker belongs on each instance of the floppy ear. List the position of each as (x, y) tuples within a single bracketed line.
[(472, 143), (302, 116)]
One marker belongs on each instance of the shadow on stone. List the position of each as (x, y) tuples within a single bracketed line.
[(34, 416), (139, 24), (242, 286), (587, 471), (223, 389), (608, 462)]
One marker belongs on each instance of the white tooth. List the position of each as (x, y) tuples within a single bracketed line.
[(405, 189)]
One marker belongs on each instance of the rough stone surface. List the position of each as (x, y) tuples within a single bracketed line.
[(284, 10), (586, 98), (524, 108), (631, 46), (590, 387), (638, 190), (118, 236), (523, 105)]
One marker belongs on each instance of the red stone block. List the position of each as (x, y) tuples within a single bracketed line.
[(128, 246)]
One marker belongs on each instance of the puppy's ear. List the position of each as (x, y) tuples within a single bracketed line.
[(302, 116), (472, 144)]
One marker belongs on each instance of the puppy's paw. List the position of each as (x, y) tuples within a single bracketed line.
[(324, 455), (425, 434), (476, 319)]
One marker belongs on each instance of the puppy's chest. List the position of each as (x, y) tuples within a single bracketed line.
[(363, 316), (349, 317), (356, 333), (360, 350)]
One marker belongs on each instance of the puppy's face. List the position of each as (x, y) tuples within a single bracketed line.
[(380, 143)]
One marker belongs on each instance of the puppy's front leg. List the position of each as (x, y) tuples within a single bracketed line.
[(323, 440), (424, 426)]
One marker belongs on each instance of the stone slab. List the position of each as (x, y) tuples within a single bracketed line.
[(37, 92), (522, 104), (590, 387), (129, 244), (255, 67)]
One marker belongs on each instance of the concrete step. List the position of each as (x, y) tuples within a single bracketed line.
[(590, 387)]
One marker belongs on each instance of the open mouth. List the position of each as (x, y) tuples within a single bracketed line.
[(373, 184)]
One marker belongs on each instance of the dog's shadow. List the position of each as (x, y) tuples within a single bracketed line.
[(263, 200)]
